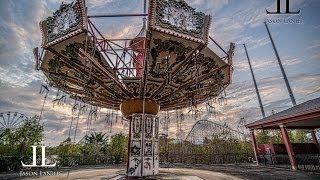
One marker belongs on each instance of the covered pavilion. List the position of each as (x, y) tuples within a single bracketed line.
[(303, 116)]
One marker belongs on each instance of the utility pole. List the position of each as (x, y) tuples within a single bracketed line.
[(281, 67), (255, 83)]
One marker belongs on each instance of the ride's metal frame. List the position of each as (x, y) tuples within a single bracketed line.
[(119, 54), (121, 50), (106, 48)]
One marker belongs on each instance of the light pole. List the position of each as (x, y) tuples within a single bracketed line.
[(255, 83), (281, 67)]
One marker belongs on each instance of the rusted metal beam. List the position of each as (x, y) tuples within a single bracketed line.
[(218, 45), (81, 69), (98, 66), (118, 15), (103, 49)]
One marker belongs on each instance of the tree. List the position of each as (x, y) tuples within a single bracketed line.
[(300, 136), (263, 137), (69, 154), (118, 148), (16, 144), (96, 143), (30, 133)]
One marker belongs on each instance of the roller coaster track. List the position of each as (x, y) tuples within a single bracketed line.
[(207, 129)]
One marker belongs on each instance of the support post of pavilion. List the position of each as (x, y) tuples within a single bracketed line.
[(254, 145), (314, 138), (287, 143)]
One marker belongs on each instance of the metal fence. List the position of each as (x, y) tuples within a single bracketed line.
[(307, 162), (13, 163), (208, 159)]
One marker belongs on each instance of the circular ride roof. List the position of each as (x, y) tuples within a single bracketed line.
[(179, 70)]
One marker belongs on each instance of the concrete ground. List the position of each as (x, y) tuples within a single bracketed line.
[(169, 172), (118, 174), (254, 172)]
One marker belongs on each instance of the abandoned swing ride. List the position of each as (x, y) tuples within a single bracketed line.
[(167, 66)]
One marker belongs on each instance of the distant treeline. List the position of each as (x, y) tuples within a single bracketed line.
[(97, 148)]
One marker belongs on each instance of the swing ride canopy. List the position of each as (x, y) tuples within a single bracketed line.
[(168, 63)]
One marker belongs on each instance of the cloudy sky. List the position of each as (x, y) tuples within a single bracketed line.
[(239, 21)]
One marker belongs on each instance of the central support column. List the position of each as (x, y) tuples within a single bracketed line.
[(143, 146)]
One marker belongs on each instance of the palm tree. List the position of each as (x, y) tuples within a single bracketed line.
[(95, 143), (96, 138)]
